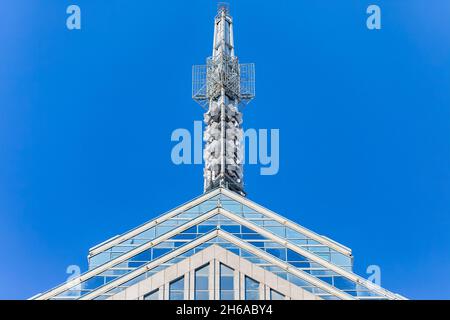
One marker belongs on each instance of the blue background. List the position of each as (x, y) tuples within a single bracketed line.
[(364, 117)]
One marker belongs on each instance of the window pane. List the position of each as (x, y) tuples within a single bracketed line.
[(279, 253), (343, 283), (275, 295), (177, 284), (202, 295), (154, 295), (159, 252), (226, 283), (279, 231), (161, 230), (251, 284), (225, 271), (201, 283), (226, 295), (294, 256), (251, 289), (203, 271), (176, 295), (205, 229), (252, 295), (176, 289)]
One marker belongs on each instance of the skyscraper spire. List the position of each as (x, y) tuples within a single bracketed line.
[(213, 235), (221, 87)]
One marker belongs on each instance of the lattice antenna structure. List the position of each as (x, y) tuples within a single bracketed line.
[(222, 87)]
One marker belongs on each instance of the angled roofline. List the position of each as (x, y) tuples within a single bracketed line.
[(161, 218), (103, 267), (350, 275), (234, 196), (199, 219), (221, 255), (236, 241), (324, 240)]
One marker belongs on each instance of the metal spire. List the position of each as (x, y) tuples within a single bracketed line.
[(222, 86)]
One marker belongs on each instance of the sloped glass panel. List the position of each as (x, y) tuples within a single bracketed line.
[(286, 232), (93, 283), (226, 224), (99, 259), (279, 253), (292, 234), (231, 229), (152, 233), (206, 228), (272, 248), (228, 293)]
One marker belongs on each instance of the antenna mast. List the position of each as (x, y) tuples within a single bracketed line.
[(222, 87)]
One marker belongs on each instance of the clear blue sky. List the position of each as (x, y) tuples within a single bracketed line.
[(364, 118)]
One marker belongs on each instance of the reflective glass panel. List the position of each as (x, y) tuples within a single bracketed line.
[(154, 295), (226, 283), (176, 289), (251, 289), (201, 283)]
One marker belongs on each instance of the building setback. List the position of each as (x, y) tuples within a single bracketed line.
[(221, 245)]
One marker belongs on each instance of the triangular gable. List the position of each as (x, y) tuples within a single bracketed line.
[(306, 280), (332, 269), (184, 208), (212, 257), (339, 255), (311, 234), (79, 284)]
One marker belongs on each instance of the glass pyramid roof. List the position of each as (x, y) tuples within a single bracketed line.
[(326, 263)]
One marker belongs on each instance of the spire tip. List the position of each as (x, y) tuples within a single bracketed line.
[(223, 6)]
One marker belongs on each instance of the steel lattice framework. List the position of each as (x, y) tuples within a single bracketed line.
[(238, 79), (222, 87)]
